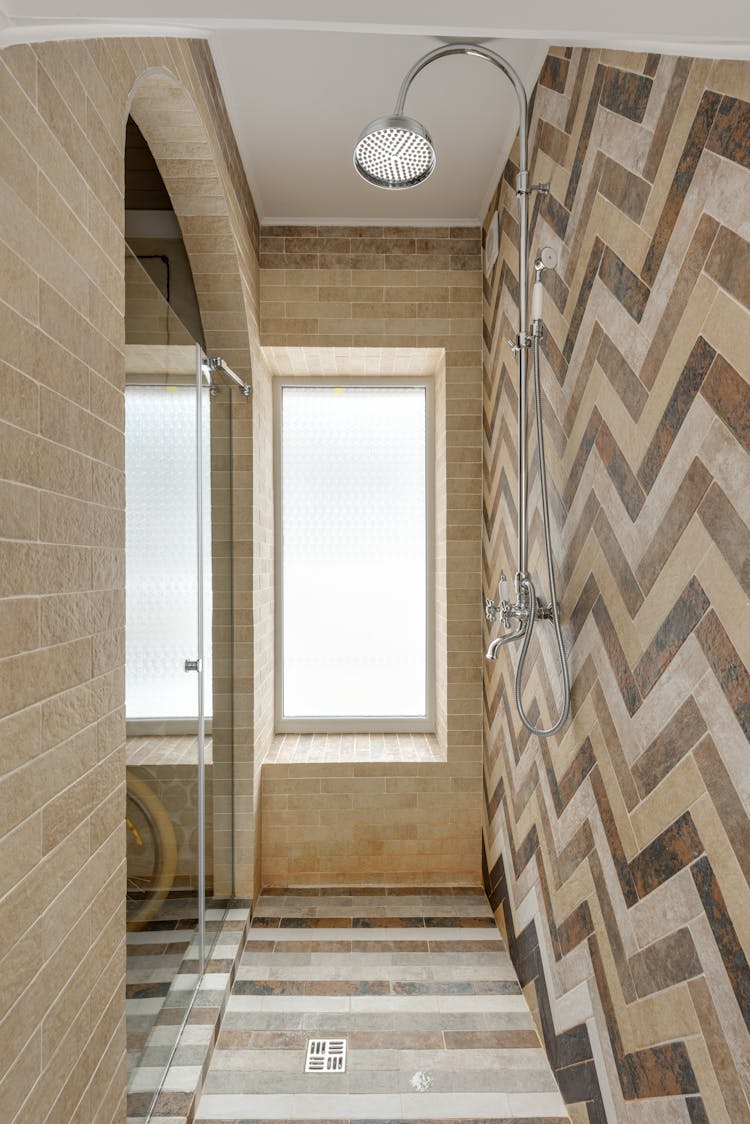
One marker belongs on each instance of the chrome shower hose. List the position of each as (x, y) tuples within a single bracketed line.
[(527, 584)]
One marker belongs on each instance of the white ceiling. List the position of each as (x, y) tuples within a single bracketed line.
[(301, 80)]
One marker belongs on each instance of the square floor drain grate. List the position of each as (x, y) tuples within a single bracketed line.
[(326, 1055)]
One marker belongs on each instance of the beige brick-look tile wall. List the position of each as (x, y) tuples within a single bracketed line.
[(619, 851), (63, 109), (393, 287)]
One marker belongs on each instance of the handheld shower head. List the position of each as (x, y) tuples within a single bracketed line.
[(546, 259), (394, 152)]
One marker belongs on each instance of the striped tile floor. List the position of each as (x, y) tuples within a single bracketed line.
[(420, 985)]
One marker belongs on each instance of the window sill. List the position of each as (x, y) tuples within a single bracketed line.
[(303, 749)]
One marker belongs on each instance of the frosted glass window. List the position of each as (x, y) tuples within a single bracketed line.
[(160, 551), (354, 552)]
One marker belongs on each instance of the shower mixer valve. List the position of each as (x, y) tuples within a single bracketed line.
[(518, 611)]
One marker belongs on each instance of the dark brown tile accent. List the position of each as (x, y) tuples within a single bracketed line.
[(683, 177), (676, 847), (671, 635), (679, 513), (592, 268), (311, 987), (554, 73), (619, 471), (724, 933), (585, 135), (729, 395), (730, 135), (678, 737), (729, 264), (729, 532), (625, 189), (620, 280), (720, 1053), (729, 669), (626, 93), (617, 658), (689, 383), (651, 65)]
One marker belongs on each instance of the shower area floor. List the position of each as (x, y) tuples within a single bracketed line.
[(420, 985)]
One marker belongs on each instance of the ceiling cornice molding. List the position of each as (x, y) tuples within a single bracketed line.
[(34, 30)]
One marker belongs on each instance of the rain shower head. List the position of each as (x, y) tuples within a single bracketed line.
[(394, 152)]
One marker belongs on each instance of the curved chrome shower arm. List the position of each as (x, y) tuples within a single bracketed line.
[(490, 56), (523, 339)]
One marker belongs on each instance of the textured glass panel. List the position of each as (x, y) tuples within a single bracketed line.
[(354, 551), (160, 551)]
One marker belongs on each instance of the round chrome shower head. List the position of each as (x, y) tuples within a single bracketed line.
[(394, 152)]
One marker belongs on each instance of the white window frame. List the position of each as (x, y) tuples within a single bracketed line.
[(365, 724)]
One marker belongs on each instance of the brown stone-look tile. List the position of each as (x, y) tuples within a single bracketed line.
[(387, 922), (556, 214), (684, 729), (491, 1040), (592, 268), (617, 658), (730, 134), (674, 521), (682, 289), (674, 630), (583, 606), (618, 563), (675, 848), (552, 141), (729, 264), (464, 946), (729, 532), (651, 65), (265, 922), (619, 859), (724, 933), (395, 1040), (458, 987), (623, 378), (657, 1071), (687, 386), (729, 395), (146, 990), (629, 490), (630, 291), (138, 1104), (733, 676), (311, 987), (585, 135), (587, 443), (683, 177), (574, 929), (626, 93), (482, 922), (667, 116), (173, 1104), (315, 923), (726, 799), (665, 963), (554, 73)]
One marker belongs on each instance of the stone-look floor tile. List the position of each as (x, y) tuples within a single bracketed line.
[(416, 983)]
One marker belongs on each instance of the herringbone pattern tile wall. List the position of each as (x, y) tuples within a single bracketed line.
[(618, 853)]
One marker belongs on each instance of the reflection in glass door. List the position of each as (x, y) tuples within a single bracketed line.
[(178, 415)]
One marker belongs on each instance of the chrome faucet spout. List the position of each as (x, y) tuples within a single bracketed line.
[(501, 641)]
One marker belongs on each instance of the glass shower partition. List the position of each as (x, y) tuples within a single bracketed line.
[(172, 409)]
